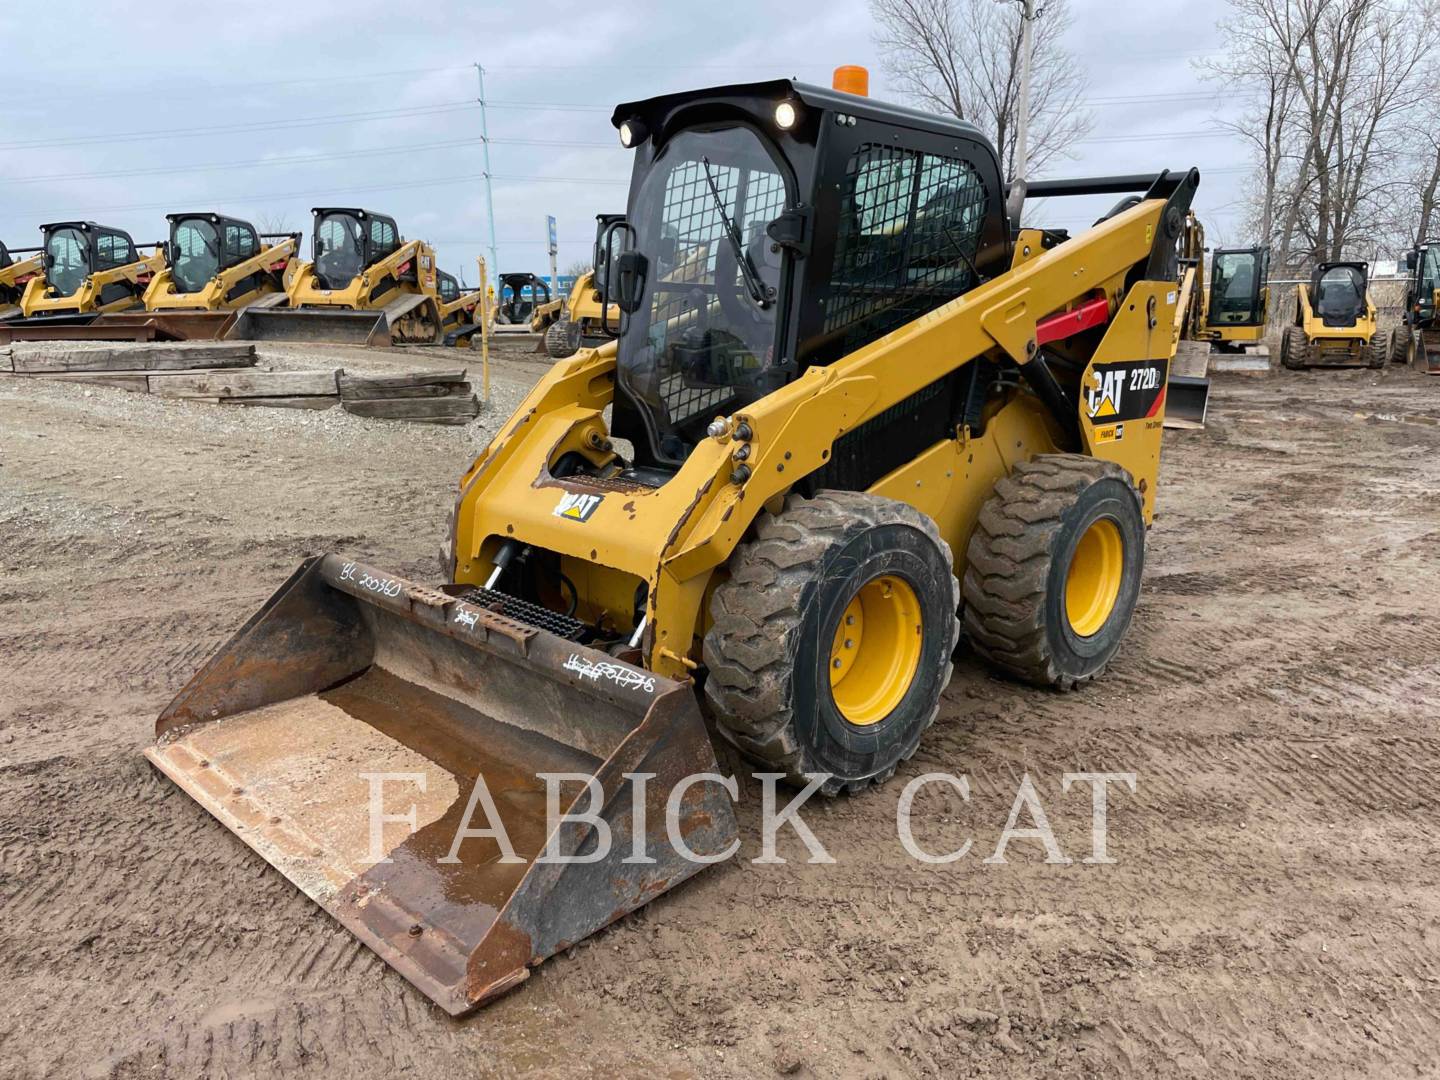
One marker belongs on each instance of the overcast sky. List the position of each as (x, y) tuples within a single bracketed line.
[(121, 114)]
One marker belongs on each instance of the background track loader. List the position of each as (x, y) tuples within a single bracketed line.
[(365, 285), (814, 497), (89, 268)]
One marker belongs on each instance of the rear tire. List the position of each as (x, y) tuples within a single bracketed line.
[(562, 339), (1380, 347), (1053, 569), (841, 587)]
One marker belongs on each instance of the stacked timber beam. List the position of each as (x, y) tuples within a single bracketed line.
[(435, 397), (225, 373)]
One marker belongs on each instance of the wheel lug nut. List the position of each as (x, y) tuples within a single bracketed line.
[(836, 662), (849, 644)]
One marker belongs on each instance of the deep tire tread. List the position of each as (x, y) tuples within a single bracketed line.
[(749, 650), (1008, 564)]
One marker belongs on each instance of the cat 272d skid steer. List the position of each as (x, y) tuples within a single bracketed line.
[(853, 413), (366, 285)]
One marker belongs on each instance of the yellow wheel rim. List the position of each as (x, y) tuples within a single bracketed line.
[(1092, 584), (876, 650)]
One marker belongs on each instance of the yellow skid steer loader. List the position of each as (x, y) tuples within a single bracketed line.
[(89, 268), (1416, 341), (17, 267), (582, 323), (365, 285), (851, 410), (457, 310), (1335, 322)]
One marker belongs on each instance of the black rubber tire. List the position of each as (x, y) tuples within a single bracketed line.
[(1294, 349), (1399, 344), (1019, 557), (562, 339), (767, 651), (1379, 350)]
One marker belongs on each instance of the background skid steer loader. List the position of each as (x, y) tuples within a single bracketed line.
[(809, 487), (1417, 340), (17, 267), (457, 310), (365, 285), (89, 268), (218, 265), (1335, 321), (582, 325)]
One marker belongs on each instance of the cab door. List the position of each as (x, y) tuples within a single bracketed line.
[(1238, 294)]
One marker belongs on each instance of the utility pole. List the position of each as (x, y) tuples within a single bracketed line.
[(1015, 202), (485, 142), (1022, 118)]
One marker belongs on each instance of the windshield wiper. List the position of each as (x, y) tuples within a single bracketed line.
[(753, 285)]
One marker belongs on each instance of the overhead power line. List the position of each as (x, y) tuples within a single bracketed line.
[(329, 191)]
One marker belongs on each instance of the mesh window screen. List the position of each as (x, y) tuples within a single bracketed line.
[(909, 232)]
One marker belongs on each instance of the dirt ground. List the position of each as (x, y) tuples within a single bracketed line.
[(1274, 910)]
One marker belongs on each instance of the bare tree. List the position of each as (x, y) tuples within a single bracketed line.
[(962, 57), (1340, 89)]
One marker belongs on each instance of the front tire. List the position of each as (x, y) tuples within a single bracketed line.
[(1053, 569), (1294, 349), (832, 638)]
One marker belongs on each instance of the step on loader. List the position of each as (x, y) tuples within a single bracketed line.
[(854, 418), (1335, 322), (87, 269), (365, 285), (1417, 340)]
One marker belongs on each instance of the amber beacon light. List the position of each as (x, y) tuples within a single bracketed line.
[(852, 79)]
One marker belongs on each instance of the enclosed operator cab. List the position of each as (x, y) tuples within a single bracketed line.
[(523, 298), (219, 263), (1335, 322), (89, 268), (778, 226), (1417, 340), (1238, 299)]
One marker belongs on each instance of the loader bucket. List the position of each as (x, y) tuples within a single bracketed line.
[(1186, 402), (346, 675), (339, 326)]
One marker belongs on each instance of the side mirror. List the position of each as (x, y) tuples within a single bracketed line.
[(630, 270), (1412, 259)]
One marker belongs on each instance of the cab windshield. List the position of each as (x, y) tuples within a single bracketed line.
[(704, 336), (341, 254), (65, 261), (195, 251), (1340, 295), (1430, 276), (1234, 290)]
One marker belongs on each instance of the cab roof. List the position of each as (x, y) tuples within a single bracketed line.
[(820, 98)]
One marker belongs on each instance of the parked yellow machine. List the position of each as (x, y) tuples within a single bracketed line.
[(89, 268), (1417, 340), (218, 263), (458, 307), (1335, 321), (583, 323), (365, 284), (853, 412), (17, 267)]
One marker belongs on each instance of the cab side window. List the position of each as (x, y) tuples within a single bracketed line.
[(384, 238), (113, 249), (909, 232)]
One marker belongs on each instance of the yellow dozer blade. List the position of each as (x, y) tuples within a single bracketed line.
[(347, 675)]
